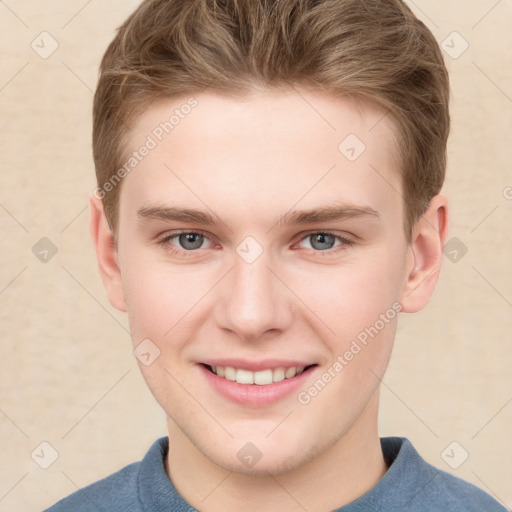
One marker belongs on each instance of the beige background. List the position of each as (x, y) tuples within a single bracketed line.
[(67, 374)]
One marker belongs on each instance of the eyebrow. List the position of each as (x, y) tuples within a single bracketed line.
[(178, 214), (326, 214), (293, 217)]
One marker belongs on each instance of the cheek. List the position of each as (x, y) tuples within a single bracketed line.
[(353, 295), (160, 300), (360, 305)]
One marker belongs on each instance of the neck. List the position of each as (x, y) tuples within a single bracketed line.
[(345, 471)]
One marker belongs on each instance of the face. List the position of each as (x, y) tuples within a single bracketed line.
[(263, 262)]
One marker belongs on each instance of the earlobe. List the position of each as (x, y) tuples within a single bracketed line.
[(106, 253), (426, 255)]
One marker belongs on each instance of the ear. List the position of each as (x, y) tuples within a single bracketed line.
[(426, 255), (106, 253)]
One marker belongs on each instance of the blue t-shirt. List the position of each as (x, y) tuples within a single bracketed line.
[(409, 485)]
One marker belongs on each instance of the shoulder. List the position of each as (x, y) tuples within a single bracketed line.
[(461, 495), (117, 492), (456, 494), (428, 488)]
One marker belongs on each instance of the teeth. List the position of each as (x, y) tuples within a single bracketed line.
[(264, 377), (229, 372), (290, 372), (279, 375), (244, 377), (261, 378)]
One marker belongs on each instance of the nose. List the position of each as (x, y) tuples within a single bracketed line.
[(255, 303)]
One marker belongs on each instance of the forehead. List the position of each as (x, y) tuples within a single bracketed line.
[(263, 152)]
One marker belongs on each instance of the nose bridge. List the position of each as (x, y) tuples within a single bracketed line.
[(254, 301)]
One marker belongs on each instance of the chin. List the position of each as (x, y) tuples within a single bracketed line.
[(261, 457), (275, 465)]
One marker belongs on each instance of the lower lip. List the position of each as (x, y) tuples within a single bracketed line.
[(253, 394)]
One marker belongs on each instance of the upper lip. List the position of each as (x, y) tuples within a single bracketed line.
[(256, 366)]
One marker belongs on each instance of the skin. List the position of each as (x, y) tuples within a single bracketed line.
[(249, 161)]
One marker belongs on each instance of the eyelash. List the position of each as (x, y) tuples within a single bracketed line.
[(345, 243)]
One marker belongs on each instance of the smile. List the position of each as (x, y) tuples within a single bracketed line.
[(254, 383), (260, 378)]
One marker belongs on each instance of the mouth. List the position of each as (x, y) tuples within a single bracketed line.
[(260, 378), (262, 386)]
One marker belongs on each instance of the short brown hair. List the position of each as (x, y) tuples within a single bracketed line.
[(374, 49)]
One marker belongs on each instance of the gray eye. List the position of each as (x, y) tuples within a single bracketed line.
[(191, 241), (322, 241)]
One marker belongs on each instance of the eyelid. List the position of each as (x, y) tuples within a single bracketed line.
[(166, 238), (334, 233), (345, 240), (343, 235), (176, 232)]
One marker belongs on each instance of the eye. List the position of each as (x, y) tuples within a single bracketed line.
[(184, 241), (321, 241), (190, 241), (324, 241)]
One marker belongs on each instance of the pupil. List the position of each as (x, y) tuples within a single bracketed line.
[(322, 241), (191, 240)]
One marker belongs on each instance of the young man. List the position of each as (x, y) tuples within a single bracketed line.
[(267, 203)]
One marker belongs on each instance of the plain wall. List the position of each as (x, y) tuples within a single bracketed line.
[(67, 374)]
